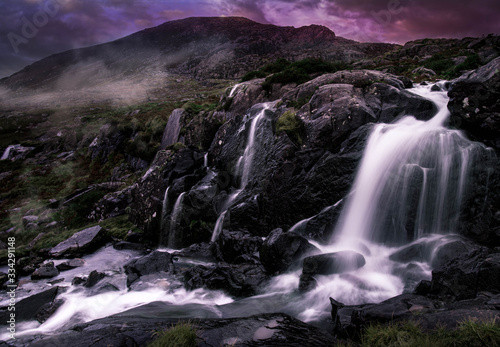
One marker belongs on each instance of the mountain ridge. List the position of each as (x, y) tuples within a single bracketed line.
[(203, 47)]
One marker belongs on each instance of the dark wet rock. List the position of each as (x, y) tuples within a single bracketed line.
[(282, 249), (452, 250), (47, 310), (148, 197), (133, 246), (26, 265), (113, 204), (109, 140), (474, 103), (3, 279), (78, 281), (466, 276), (233, 244), (136, 327), (475, 108), (93, 278), (412, 275), (156, 263), (337, 104), (47, 270), (103, 288), (200, 251), (333, 263), (81, 243), (33, 307), (417, 251), (237, 280), (306, 283), (70, 264)]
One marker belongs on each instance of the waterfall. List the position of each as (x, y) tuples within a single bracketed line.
[(233, 90), (243, 167), (411, 179), (164, 213), (205, 160), (174, 219)]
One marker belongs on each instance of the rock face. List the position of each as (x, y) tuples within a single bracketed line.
[(81, 243), (47, 270), (134, 327), (281, 249), (475, 108), (474, 103), (156, 263), (34, 307), (213, 47), (237, 280), (333, 263)]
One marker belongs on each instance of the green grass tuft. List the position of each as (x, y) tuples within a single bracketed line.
[(291, 125), (180, 335), (470, 332)]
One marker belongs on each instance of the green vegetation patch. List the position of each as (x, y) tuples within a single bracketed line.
[(119, 227), (285, 72), (408, 334), (291, 124), (180, 335)]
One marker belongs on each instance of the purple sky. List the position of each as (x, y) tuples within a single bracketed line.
[(65, 24)]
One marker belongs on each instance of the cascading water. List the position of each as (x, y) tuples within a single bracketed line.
[(409, 187), (174, 220), (410, 183), (243, 167), (164, 213), (234, 89), (411, 179)]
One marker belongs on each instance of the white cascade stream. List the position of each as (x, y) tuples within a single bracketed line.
[(243, 167), (397, 156)]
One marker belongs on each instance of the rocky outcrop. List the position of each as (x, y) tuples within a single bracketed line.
[(154, 264), (236, 246), (333, 263), (237, 280), (47, 270), (282, 249), (35, 307), (135, 327), (475, 108), (474, 104), (81, 243)]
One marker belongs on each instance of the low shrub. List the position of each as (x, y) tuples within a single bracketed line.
[(180, 335)]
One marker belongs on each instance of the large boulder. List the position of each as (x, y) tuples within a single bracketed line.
[(47, 270), (237, 280), (333, 263), (282, 249), (475, 108), (474, 103), (233, 245), (34, 307), (81, 243), (156, 263), (467, 275)]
